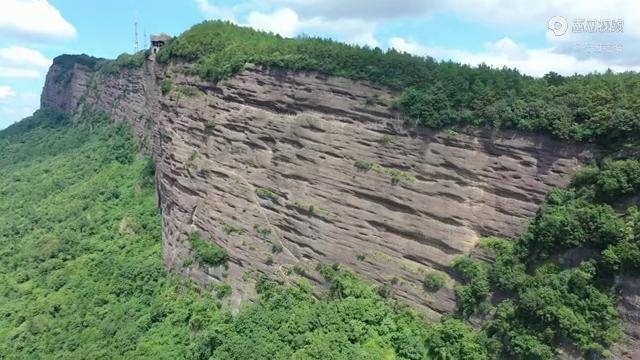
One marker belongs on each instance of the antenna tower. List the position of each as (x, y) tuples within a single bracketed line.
[(135, 35)]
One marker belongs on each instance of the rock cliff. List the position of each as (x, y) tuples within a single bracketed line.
[(288, 169)]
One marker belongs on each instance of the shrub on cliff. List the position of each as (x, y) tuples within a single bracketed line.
[(66, 64), (473, 294), (165, 86), (568, 220), (624, 256), (433, 281), (206, 251), (556, 304), (610, 180), (124, 61)]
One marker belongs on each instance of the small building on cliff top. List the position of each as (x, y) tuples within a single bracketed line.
[(158, 41)]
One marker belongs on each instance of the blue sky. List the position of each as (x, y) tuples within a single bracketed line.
[(497, 32)]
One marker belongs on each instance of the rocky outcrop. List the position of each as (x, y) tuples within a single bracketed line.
[(130, 95), (286, 170), (628, 289), (65, 85)]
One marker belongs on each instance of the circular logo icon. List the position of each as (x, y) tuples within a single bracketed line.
[(558, 25)]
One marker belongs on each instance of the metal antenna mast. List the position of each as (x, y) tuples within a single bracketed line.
[(135, 34)]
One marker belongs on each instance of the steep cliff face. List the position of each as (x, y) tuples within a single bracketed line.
[(130, 95), (65, 85), (288, 169), (628, 287)]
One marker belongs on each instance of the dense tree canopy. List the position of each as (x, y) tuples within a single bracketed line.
[(550, 300)]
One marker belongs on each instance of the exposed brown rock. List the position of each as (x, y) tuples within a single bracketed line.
[(628, 288), (64, 87), (276, 150)]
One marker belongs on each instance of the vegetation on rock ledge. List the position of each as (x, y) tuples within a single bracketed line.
[(556, 279), (596, 107), (206, 251)]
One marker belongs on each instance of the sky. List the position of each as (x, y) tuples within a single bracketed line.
[(565, 36)]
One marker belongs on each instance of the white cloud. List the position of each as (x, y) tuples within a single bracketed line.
[(506, 52), (411, 47), (21, 62), (288, 23), (11, 72), (361, 9), (6, 92), (34, 19), (271, 15), (21, 56), (352, 31), (364, 38), (496, 12), (213, 11), (17, 106), (521, 13), (507, 48), (284, 22), (518, 14), (506, 16)]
